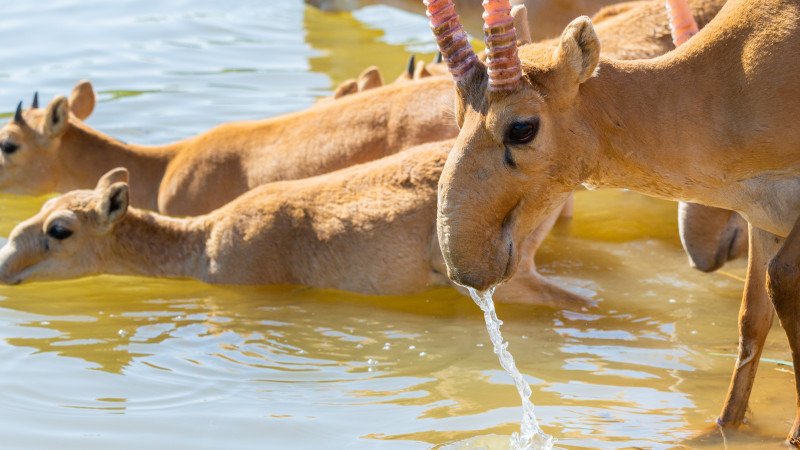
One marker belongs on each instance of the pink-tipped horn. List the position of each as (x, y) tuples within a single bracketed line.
[(451, 38), (681, 22), (501, 45)]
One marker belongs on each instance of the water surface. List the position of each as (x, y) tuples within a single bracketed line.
[(121, 362)]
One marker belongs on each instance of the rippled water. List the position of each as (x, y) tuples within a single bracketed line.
[(118, 362)]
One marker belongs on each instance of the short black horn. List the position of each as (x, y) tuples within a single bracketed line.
[(411, 65), (35, 103), (18, 115), (438, 58)]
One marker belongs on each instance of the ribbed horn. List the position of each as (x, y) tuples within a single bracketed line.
[(501, 45), (451, 38), (681, 22), (18, 119), (35, 103)]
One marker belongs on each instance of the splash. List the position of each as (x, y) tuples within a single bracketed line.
[(530, 435)]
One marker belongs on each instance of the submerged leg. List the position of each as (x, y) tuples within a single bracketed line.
[(527, 286), (783, 283), (755, 320)]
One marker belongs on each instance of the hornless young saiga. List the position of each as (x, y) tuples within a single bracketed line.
[(712, 122), (369, 228)]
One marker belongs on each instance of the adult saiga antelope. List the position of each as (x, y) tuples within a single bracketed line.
[(713, 122), (369, 229)]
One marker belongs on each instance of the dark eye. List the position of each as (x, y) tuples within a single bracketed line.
[(8, 147), (522, 132), (58, 232)]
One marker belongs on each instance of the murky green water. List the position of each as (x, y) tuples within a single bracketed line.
[(118, 362)]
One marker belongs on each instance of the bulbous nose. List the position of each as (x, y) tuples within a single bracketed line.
[(7, 273), (482, 273)]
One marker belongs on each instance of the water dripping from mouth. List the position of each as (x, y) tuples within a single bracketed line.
[(530, 435)]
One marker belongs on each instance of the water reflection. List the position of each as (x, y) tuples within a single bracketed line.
[(118, 362)]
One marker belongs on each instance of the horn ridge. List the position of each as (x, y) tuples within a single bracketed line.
[(35, 103), (450, 37), (501, 45), (682, 25)]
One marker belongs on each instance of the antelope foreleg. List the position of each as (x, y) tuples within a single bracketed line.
[(755, 320), (783, 284)]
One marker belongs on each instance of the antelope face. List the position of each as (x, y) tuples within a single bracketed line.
[(69, 235), (29, 142), (522, 148)]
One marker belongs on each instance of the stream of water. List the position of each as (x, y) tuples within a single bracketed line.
[(530, 436)]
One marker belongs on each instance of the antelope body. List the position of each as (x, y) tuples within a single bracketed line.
[(368, 229), (712, 122), (53, 150)]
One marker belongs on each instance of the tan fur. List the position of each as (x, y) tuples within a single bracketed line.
[(370, 78), (368, 229), (232, 157), (713, 122)]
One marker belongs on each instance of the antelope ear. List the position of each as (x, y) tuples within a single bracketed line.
[(118, 175), (114, 204), (370, 78), (421, 71), (520, 15), (578, 52), (348, 87), (82, 100), (56, 117)]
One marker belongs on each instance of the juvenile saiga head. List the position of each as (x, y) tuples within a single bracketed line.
[(70, 235), (30, 141), (523, 146)]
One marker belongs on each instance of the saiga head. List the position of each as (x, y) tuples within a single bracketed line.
[(29, 142), (523, 145), (69, 236)]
